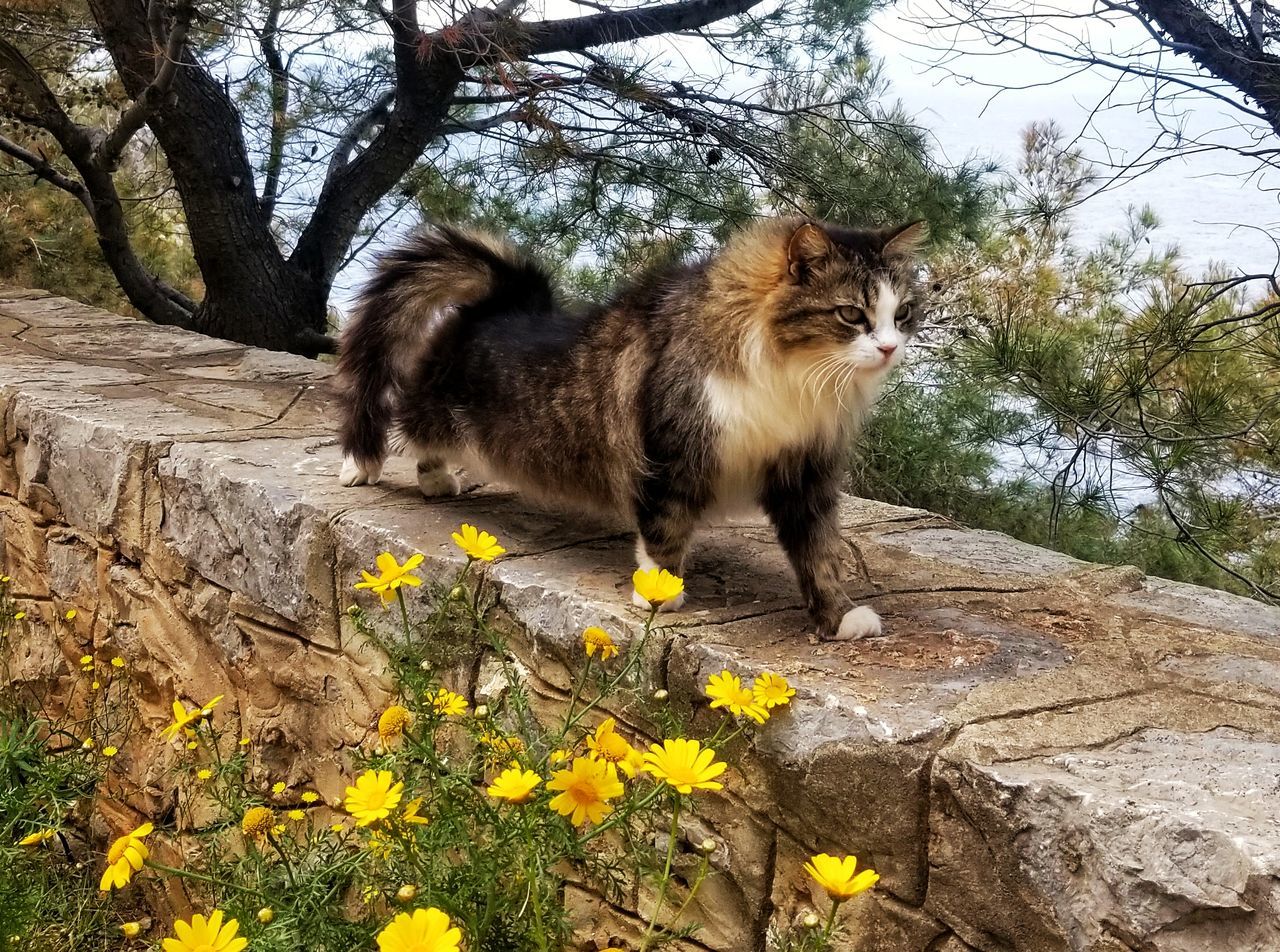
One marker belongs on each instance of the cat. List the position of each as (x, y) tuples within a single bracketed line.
[(736, 380)]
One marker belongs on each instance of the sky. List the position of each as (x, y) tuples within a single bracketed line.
[(1209, 205)]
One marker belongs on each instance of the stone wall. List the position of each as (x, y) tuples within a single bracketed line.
[(1040, 754)]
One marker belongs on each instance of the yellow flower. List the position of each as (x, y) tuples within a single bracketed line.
[(772, 690), (266, 915), (657, 585), (71, 614), (183, 718), (87, 744), (117, 662), (685, 764), (391, 575), (410, 814), (393, 722), (375, 794), (38, 837), (18, 616), (426, 930), (310, 797), (204, 773), (257, 821), (608, 745), (110, 751), (192, 745), (124, 858), (86, 661), (278, 830), (558, 757), (839, 877), (297, 814), (586, 787), (206, 935), (279, 787), (594, 638), (448, 704), (726, 690), (501, 746), (131, 930), (95, 685), (477, 544), (336, 827), (244, 742), (515, 785)]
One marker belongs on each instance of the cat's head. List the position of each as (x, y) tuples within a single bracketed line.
[(849, 293)]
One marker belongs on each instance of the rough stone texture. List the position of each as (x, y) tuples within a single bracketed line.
[(1040, 754)]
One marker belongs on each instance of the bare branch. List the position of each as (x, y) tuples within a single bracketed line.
[(44, 170), (269, 41), (580, 33), (170, 57)]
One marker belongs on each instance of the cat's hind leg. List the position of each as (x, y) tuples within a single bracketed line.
[(355, 473), (435, 477)]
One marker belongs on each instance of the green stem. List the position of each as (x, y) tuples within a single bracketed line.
[(404, 615), (647, 941), (831, 921), (288, 867), (188, 874), (531, 871), (619, 816)]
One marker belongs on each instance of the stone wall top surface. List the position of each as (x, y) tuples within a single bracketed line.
[(1039, 753)]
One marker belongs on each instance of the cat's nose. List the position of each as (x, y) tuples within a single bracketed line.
[(887, 349)]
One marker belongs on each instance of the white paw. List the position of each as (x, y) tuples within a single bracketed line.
[(438, 482), (353, 474), (860, 622), (672, 606)]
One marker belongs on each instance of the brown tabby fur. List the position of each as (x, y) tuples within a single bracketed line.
[(733, 381)]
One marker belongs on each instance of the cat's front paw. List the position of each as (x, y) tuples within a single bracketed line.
[(356, 474), (857, 623), (671, 605)]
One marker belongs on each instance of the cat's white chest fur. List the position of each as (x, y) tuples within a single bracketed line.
[(757, 418)]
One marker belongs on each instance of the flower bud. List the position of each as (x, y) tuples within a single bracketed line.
[(458, 593), (406, 893), (482, 710), (131, 930), (661, 694), (707, 846), (811, 920), (266, 914)]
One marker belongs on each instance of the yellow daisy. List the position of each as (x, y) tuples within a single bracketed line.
[(183, 718), (477, 544), (296, 814), (726, 690), (657, 586), (38, 837), (448, 704), (124, 858), (425, 930), (279, 787), (117, 662), (772, 690), (110, 751), (204, 773), (838, 875), (515, 785), (608, 745), (206, 935), (310, 797), (257, 822), (594, 639), (375, 794), (585, 789), (391, 575), (685, 764), (393, 723), (410, 814)]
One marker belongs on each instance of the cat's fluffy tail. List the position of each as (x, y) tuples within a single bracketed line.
[(438, 275)]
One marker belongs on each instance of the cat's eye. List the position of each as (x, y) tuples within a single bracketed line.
[(853, 316), (903, 312)]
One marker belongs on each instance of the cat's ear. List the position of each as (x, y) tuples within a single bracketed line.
[(809, 247), (906, 241)]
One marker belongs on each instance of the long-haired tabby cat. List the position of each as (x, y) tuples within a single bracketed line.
[(738, 379)]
